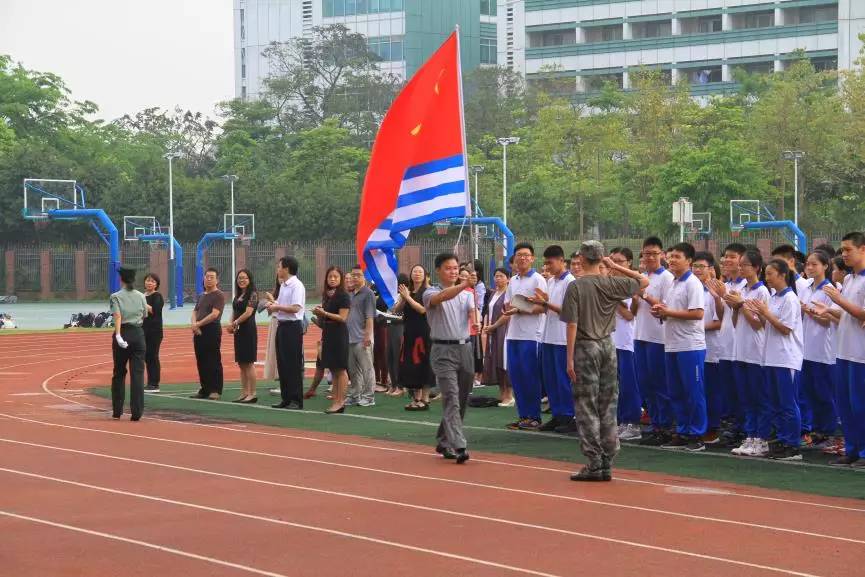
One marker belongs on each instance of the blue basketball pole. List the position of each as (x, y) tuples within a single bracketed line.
[(495, 221), (205, 242), (100, 222), (176, 297), (789, 225)]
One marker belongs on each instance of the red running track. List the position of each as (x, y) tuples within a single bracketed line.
[(87, 495)]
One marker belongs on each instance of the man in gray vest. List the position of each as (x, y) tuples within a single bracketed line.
[(448, 309)]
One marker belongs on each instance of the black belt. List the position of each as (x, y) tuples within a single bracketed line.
[(127, 325), (450, 342), (289, 321)]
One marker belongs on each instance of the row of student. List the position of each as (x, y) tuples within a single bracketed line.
[(756, 348)]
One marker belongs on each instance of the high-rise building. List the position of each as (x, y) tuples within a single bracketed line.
[(402, 32), (586, 43), (594, 42)]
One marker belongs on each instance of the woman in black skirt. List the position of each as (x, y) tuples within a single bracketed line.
[(415, 373), (333, 312), (153, 331), (243, 328)]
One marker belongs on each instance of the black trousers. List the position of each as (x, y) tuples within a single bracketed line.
[(151, 358), (289, 360), (133, 355), (208, 357)]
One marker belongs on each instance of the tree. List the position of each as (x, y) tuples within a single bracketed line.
[(494, 105), (331, 75)]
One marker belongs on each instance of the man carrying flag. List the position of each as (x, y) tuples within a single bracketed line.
[(418, 175)]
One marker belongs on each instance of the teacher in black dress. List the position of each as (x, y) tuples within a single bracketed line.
[(333, 313), (242, 326), (153, 331)]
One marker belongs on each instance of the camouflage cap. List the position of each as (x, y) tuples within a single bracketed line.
[(592, 250)]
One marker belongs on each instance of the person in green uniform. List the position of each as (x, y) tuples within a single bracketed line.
[(129, 307)]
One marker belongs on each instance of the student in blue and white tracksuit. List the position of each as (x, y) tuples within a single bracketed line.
[(705, 270), (630, 403), (649, 345), (818, 366), (849, 307), (521, 341), (750, 342), (554, 350), (733, 408), (685, 349), (782, 360)]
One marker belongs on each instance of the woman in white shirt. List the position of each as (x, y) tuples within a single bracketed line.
[(781, 319), (818, 365), (749, 344)]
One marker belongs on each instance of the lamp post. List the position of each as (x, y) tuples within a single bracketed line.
[(170, 156), (231, 179), (476, 170), (505, 142), (795, 156)]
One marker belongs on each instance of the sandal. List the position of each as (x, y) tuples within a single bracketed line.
[(395, 393)]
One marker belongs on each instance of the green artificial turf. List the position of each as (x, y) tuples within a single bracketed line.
[(485, 431)]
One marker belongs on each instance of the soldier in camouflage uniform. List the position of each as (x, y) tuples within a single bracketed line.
[(589, 309)]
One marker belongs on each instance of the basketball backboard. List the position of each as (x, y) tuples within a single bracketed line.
[(136, 226), (241, 225), (42, 195), (744, 211)]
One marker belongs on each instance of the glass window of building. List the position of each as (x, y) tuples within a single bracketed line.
[(489, 47), (656, 29), (488, 7), (552, 38), (759, 20), (337, 8)]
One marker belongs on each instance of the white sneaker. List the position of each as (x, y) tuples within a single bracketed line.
[(744, 447), (630, 432), (761, 448), (477, 384), (275, 392), (366, 403), (510, 403)]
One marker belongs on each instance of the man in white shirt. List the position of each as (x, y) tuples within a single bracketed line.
[(685, 349), (734, 405), (289, 310), (554, 350), (649, 344), (521, 342), (850, 309)]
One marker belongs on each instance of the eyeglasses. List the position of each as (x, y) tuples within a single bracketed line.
[(699, 266), (524, 255), (653, 253)]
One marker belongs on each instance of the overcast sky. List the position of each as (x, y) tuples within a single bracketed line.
[(127, 55)]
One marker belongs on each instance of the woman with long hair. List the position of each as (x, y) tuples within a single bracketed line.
[(242, 326), (395, 330), (495, 329), (153, 331), (415, 373), (333, 314)]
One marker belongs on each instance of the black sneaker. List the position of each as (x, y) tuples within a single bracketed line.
[(589, 475), (695, 445), (462, 456), (151, 389), (567, 428), (656, 439), (550, 425), (844, 461), (446, 452), (785, 453), (677, 442)]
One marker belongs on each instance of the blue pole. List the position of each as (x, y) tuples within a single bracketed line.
[(801, 239), (177, 301), (495, 221), (205, 242), (99, 216)]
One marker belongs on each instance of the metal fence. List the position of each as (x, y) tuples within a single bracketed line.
[(261, 257)]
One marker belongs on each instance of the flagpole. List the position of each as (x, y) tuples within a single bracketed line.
[(463, 126)]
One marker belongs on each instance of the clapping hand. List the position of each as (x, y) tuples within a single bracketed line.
[(403, 291), (716, 288), (756, 307), (539, 298), (832, 292), (659, 311), (319, 312)]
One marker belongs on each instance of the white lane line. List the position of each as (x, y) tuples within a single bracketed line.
[(141, 544), (175, 421), (26, 394), (473, 484), (304, 526)]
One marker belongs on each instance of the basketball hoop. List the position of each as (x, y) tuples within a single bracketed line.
[(442, 227)]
